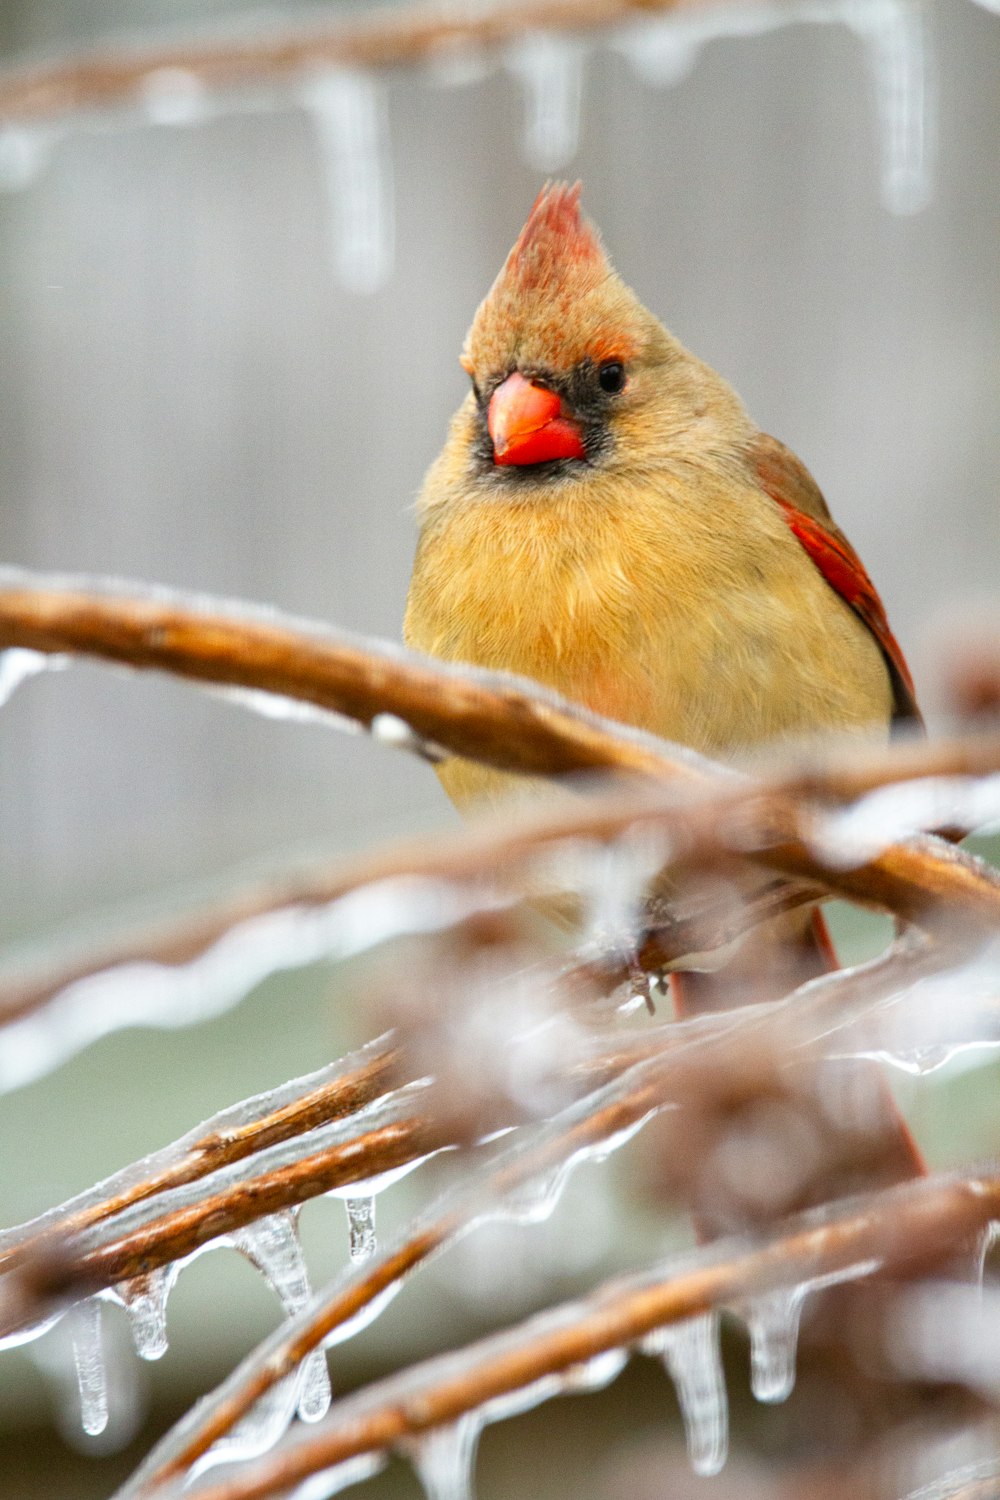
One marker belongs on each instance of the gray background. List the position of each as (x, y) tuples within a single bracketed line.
[(188, 396)]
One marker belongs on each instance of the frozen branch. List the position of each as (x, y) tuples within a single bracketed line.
[(695, 1061), (900, 1232), (115, 75)]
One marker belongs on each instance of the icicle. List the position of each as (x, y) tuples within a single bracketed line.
[(272, 1244), (445, 1458), (25, 152), (898, 47), (88, 1356), (662, 53), (330, 1482), (773, 1320), (174, 96), (989, 1237), (551, 72), (16, 664), (145, 1300), (690, 1352), (349, 117), (361, 1228)]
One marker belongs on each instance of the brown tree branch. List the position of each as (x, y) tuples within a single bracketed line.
[(502, 721), (218, 1147), (901, 1231), (115, 75), (696, 1059)]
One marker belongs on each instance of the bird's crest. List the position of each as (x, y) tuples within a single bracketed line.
[(557, 299), (555, 238)]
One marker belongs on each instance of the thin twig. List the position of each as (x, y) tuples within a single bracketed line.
[(502, 721), (501, 849), (220, 1145), (899, 1230), (116, 74), (693, 1055)]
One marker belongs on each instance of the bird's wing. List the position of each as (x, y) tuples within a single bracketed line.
[(789, 483)]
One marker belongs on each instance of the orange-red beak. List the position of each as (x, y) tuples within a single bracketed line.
[(527, 425)]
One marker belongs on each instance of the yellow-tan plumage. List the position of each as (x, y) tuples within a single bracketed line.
[(659, 585)]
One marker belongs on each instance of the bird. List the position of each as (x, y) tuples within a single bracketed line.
[(606, 518)]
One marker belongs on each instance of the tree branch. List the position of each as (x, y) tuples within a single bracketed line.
[(114, 75), (900, 1231)]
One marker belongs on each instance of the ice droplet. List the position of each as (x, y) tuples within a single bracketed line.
[(690, 1353), (16, 664), (272, 1244), (897, 45), (773, 1321), (361, 1228), (350, 120), (145, 1300), (445, 1457), (88, 1357), (550, 70)]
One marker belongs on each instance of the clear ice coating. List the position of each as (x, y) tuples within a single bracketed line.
[(550, 70), (690, 1353), (88, 1357), (330, 1482), (861, 831), (145, 1301), (272, 1244), (897, 45), (444, 1458), (773, 1319), (350, 120), (218, 978), (16, 664), (361, 1228)]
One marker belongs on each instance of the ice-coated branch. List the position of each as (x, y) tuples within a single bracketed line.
[(692, 1061), (493, 717), (502, 721), (116, 75), (236, 1133), (897, 1231), (501, 849), (174, 1233)]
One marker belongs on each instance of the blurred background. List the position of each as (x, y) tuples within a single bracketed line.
[(230, 330)]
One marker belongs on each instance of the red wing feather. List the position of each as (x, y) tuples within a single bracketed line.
[(783, 477)]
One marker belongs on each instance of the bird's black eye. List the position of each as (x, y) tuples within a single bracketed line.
[(611, 376)]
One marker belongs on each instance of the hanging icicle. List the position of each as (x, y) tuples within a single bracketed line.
[(897, 41), (349, 116), (551, 70)]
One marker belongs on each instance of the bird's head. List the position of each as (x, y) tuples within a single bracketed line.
[(570, 372)]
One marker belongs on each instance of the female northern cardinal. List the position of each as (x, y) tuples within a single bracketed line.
[(606, 518)]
